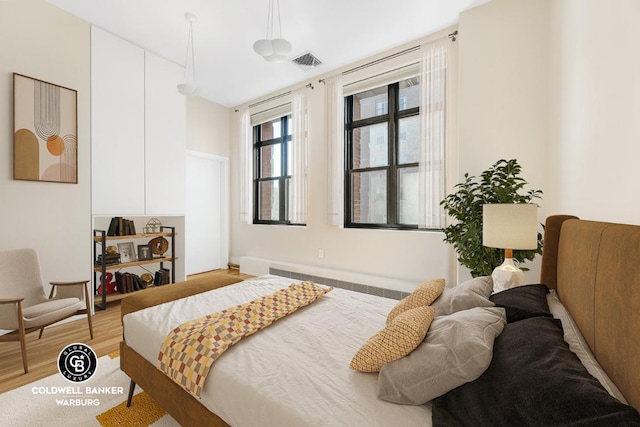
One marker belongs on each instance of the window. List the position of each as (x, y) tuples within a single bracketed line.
[(402, 103), (272, 171), (382, 129)]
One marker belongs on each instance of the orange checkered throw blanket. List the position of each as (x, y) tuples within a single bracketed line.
[(188, 352)]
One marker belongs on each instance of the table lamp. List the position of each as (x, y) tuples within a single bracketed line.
[(509, 226)]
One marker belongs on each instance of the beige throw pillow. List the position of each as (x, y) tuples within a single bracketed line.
[(395, 341), (423, 295)]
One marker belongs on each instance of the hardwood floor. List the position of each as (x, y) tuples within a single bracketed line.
[(43, 354)]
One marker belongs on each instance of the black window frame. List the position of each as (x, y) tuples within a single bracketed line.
[(392, 118), (284, 178)]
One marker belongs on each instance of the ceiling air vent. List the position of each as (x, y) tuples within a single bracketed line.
[(306, 61)]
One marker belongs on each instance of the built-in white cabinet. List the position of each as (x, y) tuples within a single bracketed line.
[(117, 125), (138, 130), (165, 137)]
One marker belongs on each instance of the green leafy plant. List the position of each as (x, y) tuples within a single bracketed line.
[(501, 183)]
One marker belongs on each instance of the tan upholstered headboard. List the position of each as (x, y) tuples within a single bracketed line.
[(595, 267)]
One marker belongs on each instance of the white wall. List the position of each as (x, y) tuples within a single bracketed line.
[(209, 147), (553, 83), (503, 97), (412, 256), (502, 113), (595, 109), (41, 41), (503, 103), (208, 127)]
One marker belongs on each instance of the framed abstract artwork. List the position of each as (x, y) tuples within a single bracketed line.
[(45, 131)]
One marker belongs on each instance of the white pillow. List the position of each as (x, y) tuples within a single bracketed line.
[(458, 349), (579, 346)]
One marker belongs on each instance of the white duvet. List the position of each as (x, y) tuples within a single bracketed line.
[(293, 373)]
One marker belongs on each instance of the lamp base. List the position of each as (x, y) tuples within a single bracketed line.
[(507, 276)]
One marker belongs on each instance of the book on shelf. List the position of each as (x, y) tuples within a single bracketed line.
[(109, 259), (120, 226), (139, 282), (123, 282), (129, 228), (128, 282), (113, 226), (162, 277), (119, 282)]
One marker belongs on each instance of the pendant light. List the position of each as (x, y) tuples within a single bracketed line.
[(273, 50), (189, 86)]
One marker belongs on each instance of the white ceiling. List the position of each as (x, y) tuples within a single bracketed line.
[(337, 32)]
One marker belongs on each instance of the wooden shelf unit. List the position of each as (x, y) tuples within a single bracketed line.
[(100, 240), (134, 263)]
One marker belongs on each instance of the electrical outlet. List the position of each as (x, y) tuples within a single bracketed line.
[(321, 253)]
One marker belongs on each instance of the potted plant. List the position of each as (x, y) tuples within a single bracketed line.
[(501, 183)]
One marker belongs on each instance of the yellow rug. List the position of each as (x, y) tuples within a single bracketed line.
[(143, 411), (100, 402)]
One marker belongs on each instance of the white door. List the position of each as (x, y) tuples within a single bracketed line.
[(206, 223)]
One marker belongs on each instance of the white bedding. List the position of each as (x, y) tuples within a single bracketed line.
[(293, 373)]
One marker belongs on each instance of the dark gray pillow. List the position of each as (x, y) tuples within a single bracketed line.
[(534, 379), (457, 349), (466, 295), (523, 302)]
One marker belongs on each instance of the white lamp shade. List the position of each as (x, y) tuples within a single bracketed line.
[(189, 89), (510, 226), (275, 58), (186, 88), (281, 46), (263, 47)]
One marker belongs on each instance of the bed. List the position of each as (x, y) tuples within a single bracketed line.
[(591, 267)]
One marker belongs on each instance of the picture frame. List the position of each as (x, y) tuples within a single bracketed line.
[(144, 252), (45, 131), (127, 252)]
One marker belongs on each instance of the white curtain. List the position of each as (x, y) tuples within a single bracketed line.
[(246, 167), (334, 115), (298, 149), (433, 133)]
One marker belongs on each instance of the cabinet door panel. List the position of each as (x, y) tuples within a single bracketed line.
[(165, 131), (117, 125)]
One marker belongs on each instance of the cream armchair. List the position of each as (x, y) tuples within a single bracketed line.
[(24, 306)]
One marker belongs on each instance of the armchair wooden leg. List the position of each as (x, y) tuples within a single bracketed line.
[(90, 323), (23, 348), (88, 306), (23, 344)]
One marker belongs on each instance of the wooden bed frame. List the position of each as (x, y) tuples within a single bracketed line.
[(593, 265)]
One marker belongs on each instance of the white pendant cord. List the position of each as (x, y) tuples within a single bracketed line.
[(271, 21), (189, 87), (193, 53), (269, 32)]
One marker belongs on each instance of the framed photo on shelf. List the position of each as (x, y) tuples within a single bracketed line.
[(144, 252), (127, 252)]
